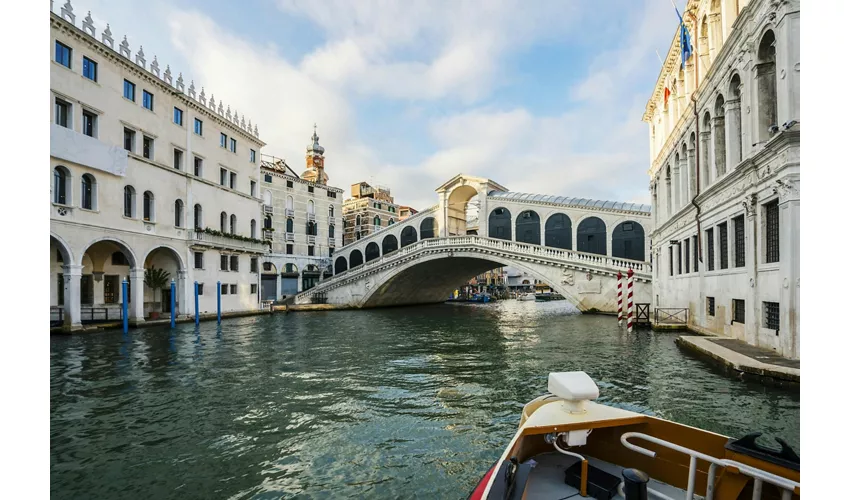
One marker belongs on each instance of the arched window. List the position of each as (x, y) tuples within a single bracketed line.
[(559, 231), (148, 208), (357, 235), (733, 105), (355, 258), (372, 251), (390, 222), (705, 144), (591, 236), (340, 265), (178, 213), (358, 221), (499, 224), (677, 183), (719, 138), (223, 222), (408, 236), (377, 221), (267, 222), (426, 228), (88, 199), (528, 227), (290, 225), (199, 217), (253, 228), (331, 211), (129, 201), (668, 192), (627, 241), (267, 197), (311, 207), (311, 228), (61, 178), (331, 231), (390, 244), (289, 203), (766, 86), (232, 223)]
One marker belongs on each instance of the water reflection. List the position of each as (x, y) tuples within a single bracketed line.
[(376, 404)]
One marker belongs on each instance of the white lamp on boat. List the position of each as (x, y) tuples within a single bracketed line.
[(574, 388)]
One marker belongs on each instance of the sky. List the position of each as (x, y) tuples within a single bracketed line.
[(541, 96)]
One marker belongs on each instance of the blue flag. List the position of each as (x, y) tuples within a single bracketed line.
[(684, 39)]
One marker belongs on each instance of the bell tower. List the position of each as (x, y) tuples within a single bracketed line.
[(315, 161)]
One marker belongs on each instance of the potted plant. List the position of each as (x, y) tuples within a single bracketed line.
[(156, 279)]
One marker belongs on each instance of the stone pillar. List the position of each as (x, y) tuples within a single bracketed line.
[(677, 187), (718, 126), (71, 306), (704, 159), (136, 310), (789, 267), (692, 173), (184, 297), (751, 230), (716, 36), (733, 136), (442, 217), (683, 174), (483, 212)]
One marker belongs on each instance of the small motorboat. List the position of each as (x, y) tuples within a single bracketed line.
[(526, 296), (568, 446)]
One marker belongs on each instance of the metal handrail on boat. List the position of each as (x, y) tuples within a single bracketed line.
[(759, 476)]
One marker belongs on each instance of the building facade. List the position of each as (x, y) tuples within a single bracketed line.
[(301, 217), (145, 173), (725, 173), (368, 210), (404, 212)]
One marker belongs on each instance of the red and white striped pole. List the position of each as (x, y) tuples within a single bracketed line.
[(619, 298), (630, 302)]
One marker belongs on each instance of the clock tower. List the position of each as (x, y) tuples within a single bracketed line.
[(315, 161)]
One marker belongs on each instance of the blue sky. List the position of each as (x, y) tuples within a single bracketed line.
[(543, 96)]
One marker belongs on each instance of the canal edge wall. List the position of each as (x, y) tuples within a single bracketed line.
[(743, 367)]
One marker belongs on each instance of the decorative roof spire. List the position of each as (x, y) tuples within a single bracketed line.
[(315, 147), (88, 24)]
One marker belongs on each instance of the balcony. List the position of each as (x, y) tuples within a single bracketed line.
[(311, 217), (290, 212), (289, 236), (332, 242), (268, 234), (311, 239), (268, 210), (226, 242)]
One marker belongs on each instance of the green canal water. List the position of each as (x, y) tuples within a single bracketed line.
[(392, 403)]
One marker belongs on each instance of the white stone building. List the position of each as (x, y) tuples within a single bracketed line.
[(302, 219), (145, 172), (725, 173)]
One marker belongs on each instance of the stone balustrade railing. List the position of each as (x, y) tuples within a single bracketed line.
[(556, 256)]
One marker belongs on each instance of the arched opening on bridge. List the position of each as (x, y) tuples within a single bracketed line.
[(268, 282), (559, 231), (627, 241), (499, 224), (408, 236), (591, 236), (426, 228), (372, 251), (158, 300), (340, 265), (390, 244), (310, 276), (458, 208), (528, 227), (355, 258), (105, 265)]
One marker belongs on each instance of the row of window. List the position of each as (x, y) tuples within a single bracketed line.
[(311, 207), (684, 258), (376, 221), (267, 178), (311, 250), (227, 262), (770, 312)]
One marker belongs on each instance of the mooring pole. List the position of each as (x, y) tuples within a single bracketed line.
[(218, 301), (197, 316), (125, 286), (630, 278), (173, 288), (619, 298)]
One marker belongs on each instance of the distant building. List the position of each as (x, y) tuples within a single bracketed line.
[(300, 218), (405, 212), (368, 209)]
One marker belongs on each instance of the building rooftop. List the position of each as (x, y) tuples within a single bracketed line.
[(568, 201)]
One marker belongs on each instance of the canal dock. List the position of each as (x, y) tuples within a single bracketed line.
[(745, 360)]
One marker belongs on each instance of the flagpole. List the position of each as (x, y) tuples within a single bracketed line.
[(659, 57)]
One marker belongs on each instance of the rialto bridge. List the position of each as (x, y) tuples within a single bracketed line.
[(575, 245)]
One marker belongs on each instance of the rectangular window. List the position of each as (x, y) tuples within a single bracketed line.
[(254, 261), (687, 256), (178, 159), (223, 289), (696, 255), (309, 189), (289, 249), (89, 69), (62, 110), (232, 144), (199, 167), (671, 259), (310, 250), (129, 140), (709, 236), (199, 260), (709, 304), (223, 142), (253, 156), (771, 226), (199, 127), (232, 289), (89, 123), (178, 116), (740, 247), (253, 288), (331, 194), (200, 288), (254, 189), (147, 147), (234, 262), (739, 313), (224, 262), (63, 54), (147, 100), (771, 315), (289, 184), (724, 246), (232, 180), (222, 177), (130, 90), (678, 258), (267, 178)]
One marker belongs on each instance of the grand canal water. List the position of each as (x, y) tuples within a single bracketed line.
[(392, 403)]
